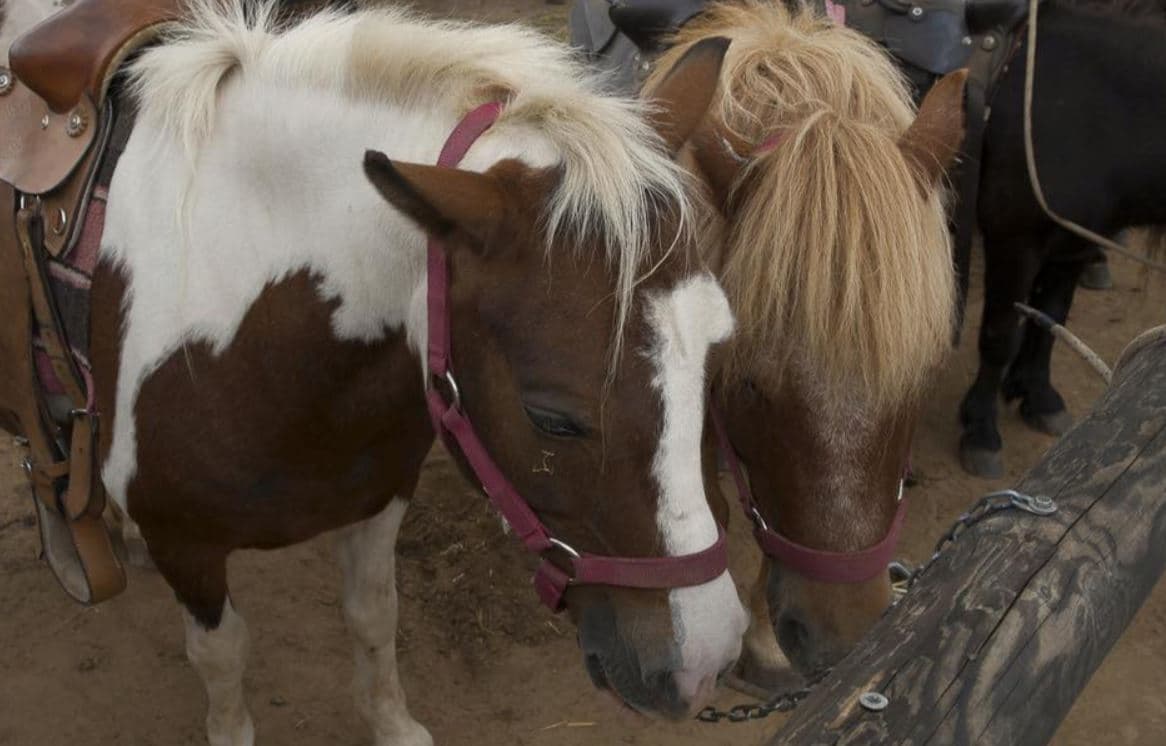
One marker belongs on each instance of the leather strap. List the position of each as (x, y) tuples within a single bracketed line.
[(71, 496), (815, 564), (85, 495), (449, 420), (28, 227)]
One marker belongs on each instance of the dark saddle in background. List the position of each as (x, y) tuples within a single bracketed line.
[(62, 126), (931, 38), (622, 36)]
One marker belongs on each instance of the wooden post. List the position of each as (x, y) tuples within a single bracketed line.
[(1000, 635)]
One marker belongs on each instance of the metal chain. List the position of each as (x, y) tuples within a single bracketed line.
[(903, 578), (782, 702), (988, 505)]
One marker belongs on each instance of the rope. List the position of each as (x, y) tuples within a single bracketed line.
[(1044, 321), (1030, 157)]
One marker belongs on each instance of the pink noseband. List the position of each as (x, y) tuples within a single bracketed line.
[(814, 564), (455, 429)]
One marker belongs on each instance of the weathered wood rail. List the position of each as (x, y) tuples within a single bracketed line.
[(1003, 631)]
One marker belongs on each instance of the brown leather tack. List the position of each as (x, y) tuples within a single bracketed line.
[(44, 311), (64, 207), (36, 152), (84, 496), (74, 536), (103, 569), (73, 52)]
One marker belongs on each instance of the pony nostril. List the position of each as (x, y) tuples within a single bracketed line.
[(792, 633)]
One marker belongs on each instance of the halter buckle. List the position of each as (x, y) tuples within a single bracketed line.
[(570, 550), (450, 381), (755, 514)]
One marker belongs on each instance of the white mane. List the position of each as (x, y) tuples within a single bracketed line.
[(615, 175)]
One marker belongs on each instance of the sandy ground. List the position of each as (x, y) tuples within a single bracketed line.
[(482, 662)]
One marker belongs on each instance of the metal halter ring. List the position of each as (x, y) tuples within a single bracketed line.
[(453, 389), (570, 550), (755, 514)]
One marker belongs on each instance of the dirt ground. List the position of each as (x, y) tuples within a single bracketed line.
[(482, 662)]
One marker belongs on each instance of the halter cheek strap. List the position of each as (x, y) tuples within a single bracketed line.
[(814, 564), (452, 424)]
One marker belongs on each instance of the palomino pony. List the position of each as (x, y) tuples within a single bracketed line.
[(1100, 151), (838, 268), (262, 310)]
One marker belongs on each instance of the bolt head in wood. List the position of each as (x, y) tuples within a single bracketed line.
[(873, 701)]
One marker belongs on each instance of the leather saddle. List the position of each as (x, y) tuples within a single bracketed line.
[(987, 15), (937, 36), (646, 22), (622, 36), (56, 118)]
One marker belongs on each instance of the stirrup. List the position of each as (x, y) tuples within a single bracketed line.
[(80, 554)]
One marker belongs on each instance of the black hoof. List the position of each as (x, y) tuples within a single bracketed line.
[(1052, 423), (980, 462), (1096, 277)]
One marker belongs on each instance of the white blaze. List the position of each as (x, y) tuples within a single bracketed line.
[(708, 619)]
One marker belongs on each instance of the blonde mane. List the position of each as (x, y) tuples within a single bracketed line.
[(616, 178), (835, 255)]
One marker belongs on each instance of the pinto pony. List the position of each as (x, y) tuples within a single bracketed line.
[(838, 269), (261, 315)]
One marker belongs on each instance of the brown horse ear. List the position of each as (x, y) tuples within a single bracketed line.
[(683, 95), (440, 200), (934, 139)]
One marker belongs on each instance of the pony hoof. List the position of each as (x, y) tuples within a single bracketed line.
[(755, 678), (1053, 423), (982, 463), (1096, 276)]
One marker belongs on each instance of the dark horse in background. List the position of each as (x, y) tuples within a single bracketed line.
[(1100, 145)]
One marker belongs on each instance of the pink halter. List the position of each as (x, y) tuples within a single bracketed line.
[(455, 429), (814, 564)]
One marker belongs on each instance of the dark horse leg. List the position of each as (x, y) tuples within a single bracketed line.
[(1041, 407), (1010, 266)]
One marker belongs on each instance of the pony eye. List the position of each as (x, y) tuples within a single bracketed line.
[(554, 423)]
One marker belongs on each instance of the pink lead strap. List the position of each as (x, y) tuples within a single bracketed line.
[(454, 427)]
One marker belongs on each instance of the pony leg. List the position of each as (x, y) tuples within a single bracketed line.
[(763, 670), (1041, 407), (219, 655), (1010, 267), (368, 559), (216, 636), (128, 540)]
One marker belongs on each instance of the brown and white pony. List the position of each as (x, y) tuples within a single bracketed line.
[(838, 269), (259, 321)]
